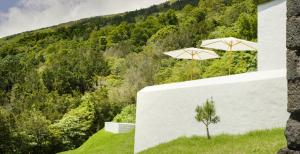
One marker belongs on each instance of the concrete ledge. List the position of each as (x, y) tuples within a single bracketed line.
[(115, 127)]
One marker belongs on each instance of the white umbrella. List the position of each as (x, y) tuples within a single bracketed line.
[(230, 44), (193, 54)]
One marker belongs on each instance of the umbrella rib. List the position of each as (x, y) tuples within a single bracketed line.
[(228, 44), (209, 53), (197, 53), (183, 53), (237, 43), (248, 46), (213, 54), (212, 43)]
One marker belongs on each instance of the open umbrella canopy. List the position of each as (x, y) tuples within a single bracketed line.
[(230, 44), (192, 53)]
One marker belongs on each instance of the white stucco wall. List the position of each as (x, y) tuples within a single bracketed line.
[(244, 102), (272, 35), (115, 127)]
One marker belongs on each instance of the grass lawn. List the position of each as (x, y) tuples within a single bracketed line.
[(258, 142)]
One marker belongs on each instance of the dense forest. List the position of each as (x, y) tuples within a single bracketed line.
[(58, 85)]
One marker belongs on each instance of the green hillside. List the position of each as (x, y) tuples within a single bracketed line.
[(258, 142), (58, 85)]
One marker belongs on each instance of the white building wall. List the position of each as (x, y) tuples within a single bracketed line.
[(272, 35)]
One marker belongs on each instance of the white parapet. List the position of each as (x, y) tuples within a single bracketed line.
[(115, 127), (244, 102)]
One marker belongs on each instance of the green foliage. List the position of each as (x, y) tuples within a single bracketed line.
[(247, 26), (105, 110), (10, 72), (55, 105), (242, 62), (127, 114), (168, 18), (79, 123), (72, 68), (161, 34), (144, 30), (207, 114), (223, 31), (120, 33), (33, 133), (180, 71), (120, 49), (74, 128), (199, 14), (6, 129)]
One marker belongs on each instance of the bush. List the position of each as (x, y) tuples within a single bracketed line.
[(127, 114), (6, 128), (75, 126), (32, 133)]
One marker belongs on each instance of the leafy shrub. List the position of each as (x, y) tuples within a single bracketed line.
[(127, 114), (74, 128), (32, 133)]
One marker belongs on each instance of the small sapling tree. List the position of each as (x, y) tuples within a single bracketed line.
[(207, 114)]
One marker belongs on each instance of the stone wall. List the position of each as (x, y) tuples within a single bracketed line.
[(292, 131)]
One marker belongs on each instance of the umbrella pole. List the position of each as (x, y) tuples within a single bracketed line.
[(192, 66), (229, 62), (230, 57)]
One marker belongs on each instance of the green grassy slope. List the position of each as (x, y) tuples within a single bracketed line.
[(106, 143), (258, 142)]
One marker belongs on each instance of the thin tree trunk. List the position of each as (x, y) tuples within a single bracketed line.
[(207, 132)]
